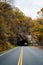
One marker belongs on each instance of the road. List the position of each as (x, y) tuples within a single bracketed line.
[(22, 56)]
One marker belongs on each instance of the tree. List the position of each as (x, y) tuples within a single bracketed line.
[(6, 19), (8, 1), (40, 13)]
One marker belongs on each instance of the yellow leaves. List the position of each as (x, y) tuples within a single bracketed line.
[(42, 9), (37, 28), (1, 18), (41, 26), (36, 33)]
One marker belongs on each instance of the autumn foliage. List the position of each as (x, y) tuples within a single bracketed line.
[(13, 22)]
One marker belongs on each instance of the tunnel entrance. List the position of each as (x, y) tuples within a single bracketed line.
[(21, 41)]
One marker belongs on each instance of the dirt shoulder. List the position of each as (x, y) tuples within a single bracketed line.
[(40, 47)]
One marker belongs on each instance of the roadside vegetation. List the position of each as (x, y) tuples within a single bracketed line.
[(13, 22)]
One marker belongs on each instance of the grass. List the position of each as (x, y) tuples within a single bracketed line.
[(7, 50)]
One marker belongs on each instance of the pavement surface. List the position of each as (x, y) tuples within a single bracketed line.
[(22, 56)]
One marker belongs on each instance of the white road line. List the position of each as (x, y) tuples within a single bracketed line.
[(8, 51), (21, 57)]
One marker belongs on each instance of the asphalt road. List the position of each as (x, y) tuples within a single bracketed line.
[(22, 56), (32, 56)]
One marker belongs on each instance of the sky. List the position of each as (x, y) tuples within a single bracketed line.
[(29, 7)]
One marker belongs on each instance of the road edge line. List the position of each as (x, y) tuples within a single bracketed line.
[(7, 51)]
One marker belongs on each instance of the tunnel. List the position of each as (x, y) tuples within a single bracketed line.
[(21, 41)]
